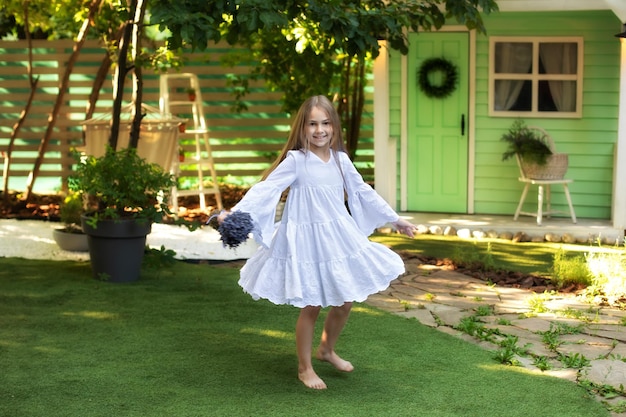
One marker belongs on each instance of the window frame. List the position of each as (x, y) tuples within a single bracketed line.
[(535, 77)]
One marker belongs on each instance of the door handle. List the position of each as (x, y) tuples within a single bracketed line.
[(463, 125)]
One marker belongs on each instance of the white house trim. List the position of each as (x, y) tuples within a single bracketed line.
[(471, 120), (555, 5), (384, 145), (619, 171), (404, 133)]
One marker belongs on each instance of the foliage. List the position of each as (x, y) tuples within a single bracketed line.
[(158, 259), (608, 273), (474, 257), (121, 184), (307, 48), (301, 48), (509, 350), (542, 363), (526, 143), (537, 302), (569, 270), (576, 361), (58, 19), (551, 338), (484, 310), (70, 211)]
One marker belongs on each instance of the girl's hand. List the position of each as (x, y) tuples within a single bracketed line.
[(223, 214), (405, 227)]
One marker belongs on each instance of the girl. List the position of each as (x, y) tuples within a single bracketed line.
[(319, 255)]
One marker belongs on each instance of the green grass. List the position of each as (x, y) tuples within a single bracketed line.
[(527, 257), (185, 341)]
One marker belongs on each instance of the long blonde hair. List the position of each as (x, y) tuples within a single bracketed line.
[(297, 135)]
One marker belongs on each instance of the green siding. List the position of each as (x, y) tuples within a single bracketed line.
[(589, 141)]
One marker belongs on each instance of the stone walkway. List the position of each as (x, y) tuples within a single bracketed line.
[(575, 340)]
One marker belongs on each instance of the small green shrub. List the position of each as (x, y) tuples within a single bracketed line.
[(506, 356), (508, 350), (569, 270), (474, 257), (542, 363), (537, 302), (575, 361), (484, 310), (608, 274), (470, 325)]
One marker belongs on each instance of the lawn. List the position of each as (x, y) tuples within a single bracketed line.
[(185, 341)]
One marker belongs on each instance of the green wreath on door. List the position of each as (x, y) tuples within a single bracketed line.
[(449, 81)]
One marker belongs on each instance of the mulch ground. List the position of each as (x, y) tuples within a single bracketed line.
[(46, 207)]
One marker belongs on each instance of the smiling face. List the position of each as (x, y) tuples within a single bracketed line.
[(319, 132)]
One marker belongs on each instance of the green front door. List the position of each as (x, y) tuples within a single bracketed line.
[(437, 143)]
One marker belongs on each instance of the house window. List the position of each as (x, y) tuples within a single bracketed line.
[(535, 77)]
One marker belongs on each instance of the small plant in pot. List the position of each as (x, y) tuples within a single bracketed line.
[(533, 148), (70, 237), (125, 195), (526, 143)]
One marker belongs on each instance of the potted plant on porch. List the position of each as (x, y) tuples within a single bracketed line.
[(534, 150), (125, 195)]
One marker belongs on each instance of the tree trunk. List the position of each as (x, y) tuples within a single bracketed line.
[(138, 114), (356, 107), (18, 125), (352, 101), (130, 39), (52, 118), (119, 79)]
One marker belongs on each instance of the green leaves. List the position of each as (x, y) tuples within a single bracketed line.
[(526, 143), (122, 184)]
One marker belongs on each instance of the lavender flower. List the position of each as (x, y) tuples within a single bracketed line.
[(235, 228)]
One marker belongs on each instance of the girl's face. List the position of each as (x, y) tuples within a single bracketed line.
[(318, 130)]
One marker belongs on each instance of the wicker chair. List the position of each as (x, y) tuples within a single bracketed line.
[(543, 176)]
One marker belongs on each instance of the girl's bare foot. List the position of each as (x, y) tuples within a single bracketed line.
[(310, 379), (334, 359)]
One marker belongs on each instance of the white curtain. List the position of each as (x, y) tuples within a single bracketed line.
[(561, 58), (511, 58)]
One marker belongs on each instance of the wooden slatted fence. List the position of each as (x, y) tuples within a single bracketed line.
[(244, 144)]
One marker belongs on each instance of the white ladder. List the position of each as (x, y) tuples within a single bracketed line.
[(175, 99)]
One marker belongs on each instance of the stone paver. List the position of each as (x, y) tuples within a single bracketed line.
[(441, 298)]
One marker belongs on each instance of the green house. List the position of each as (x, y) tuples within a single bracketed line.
[(554, 64)]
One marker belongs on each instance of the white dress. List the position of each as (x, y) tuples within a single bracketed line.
[(319, 254)]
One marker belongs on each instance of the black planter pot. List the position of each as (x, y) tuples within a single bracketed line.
[(116, 248)]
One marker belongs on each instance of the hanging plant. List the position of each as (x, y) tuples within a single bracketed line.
[(448, 83)]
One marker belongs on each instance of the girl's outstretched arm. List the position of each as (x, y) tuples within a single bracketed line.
[(405, 227)]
